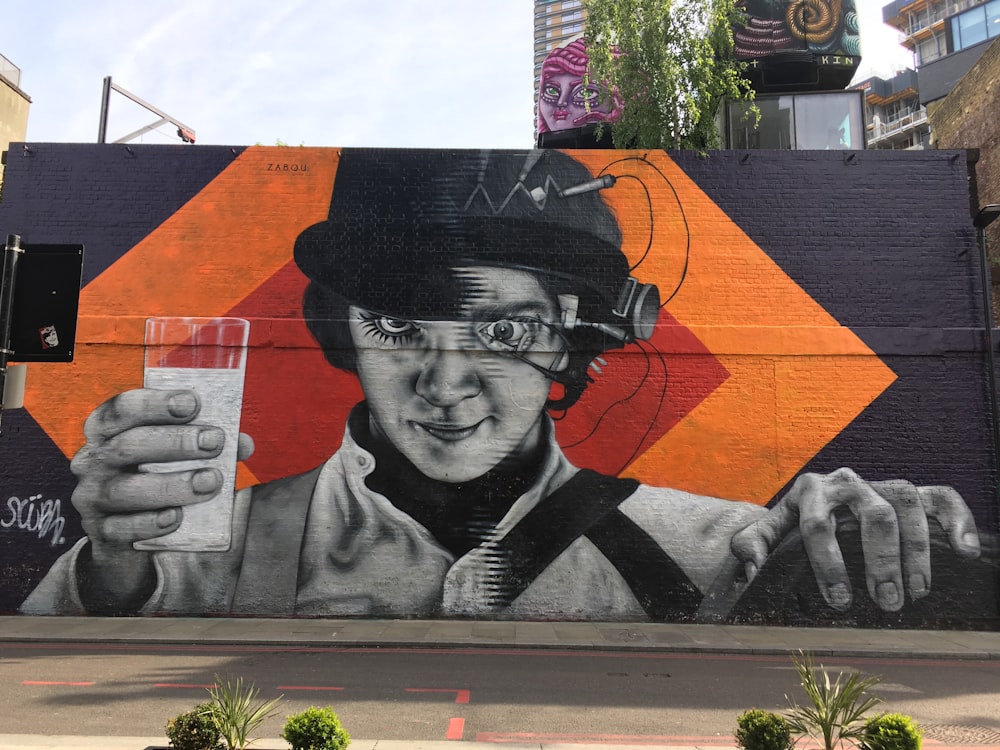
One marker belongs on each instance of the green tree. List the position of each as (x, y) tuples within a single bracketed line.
[(671, 65)]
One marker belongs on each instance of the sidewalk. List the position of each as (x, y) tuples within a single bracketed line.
[(298, 633), (682, 638)]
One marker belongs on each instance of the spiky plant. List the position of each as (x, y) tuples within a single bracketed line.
[(837, 707), (238, 710)]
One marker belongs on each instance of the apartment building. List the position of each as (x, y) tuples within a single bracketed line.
[(556, 23), (946, 38)]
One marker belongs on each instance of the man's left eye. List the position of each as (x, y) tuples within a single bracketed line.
[(509, 334)]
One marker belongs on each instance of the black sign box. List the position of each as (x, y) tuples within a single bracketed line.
[(46, 302)]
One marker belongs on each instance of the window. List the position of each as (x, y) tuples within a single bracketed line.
[(993, 18), (976, 25), (930, 49), (800, 121), (971, 27), (573, 28)]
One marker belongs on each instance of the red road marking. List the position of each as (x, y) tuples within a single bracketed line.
[(606, 739), (182, 685), (456, 728), (461, 696), (306, 687), (48, 682)]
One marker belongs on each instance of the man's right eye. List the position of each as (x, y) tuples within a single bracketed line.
[(394, 326), (388, 330)]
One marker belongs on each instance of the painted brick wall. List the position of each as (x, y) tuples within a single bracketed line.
[(817, 365)]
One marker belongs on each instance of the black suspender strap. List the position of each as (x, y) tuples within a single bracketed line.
[(658, 583), (587, 505), (551, 526)]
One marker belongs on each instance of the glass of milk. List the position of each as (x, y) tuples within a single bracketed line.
[(207, 356)]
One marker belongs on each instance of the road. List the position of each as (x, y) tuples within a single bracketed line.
[(484, 694)]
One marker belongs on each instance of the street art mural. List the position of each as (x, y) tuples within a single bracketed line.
[(504, 385), (822, 26), (566, 99)]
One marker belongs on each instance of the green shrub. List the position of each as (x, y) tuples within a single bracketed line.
[(891, 732), (762, 730), (194, 730), (315, 729)]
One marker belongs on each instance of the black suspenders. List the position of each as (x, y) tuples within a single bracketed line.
[(586, 505)]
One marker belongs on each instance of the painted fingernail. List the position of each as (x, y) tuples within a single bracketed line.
[(182, 404), (210, 440), (839, 595), (166, 518), (918, 586), (888, 593), (204, 482)]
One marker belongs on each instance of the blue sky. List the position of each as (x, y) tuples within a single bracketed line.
[(438, 73)]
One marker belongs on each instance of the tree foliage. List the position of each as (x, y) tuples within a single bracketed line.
[(670, 64)]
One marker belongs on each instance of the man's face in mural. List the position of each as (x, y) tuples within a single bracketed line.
[(564, 101), (458, 397)]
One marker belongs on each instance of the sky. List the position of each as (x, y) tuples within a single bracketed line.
[(389, 73)]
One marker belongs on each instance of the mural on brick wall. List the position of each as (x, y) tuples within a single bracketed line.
[(566, 99), (529, 385)]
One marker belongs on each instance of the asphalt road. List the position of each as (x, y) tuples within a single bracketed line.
[(489, 695)]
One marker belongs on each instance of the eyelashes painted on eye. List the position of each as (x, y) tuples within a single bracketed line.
[(386, 330)]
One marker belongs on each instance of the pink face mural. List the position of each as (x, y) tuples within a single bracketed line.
[(565, 99)]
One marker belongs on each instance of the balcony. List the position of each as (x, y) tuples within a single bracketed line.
[(879, 132), (10, 71)]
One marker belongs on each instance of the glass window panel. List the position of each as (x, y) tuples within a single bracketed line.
[(993, 18), (776, 128), (972, 27), (826, 121)]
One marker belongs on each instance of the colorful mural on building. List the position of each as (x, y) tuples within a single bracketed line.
[(825, 26), (495, 384), (799, 45), (566, 99)]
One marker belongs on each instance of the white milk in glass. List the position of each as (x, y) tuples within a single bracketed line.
[(205, 526)]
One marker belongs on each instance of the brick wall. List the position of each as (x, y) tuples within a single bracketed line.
[(819, 355)]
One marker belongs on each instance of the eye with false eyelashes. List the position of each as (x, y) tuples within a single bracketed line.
[(388, 330)]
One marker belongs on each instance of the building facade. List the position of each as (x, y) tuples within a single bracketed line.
[(946, 37), (556, 23), (14, 105)]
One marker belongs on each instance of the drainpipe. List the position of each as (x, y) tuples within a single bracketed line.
[(986, 216)]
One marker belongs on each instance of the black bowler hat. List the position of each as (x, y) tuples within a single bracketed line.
[(401, 221)]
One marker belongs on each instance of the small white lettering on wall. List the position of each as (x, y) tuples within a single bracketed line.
[(36, 516)]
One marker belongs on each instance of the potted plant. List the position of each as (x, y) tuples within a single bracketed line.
[(194, 730), (757, 729), (315, 729), (891, 732), (238, 711), (837, 707)]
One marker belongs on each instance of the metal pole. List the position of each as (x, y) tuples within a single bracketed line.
[(102, 130), (11, 254), (990, 365)]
